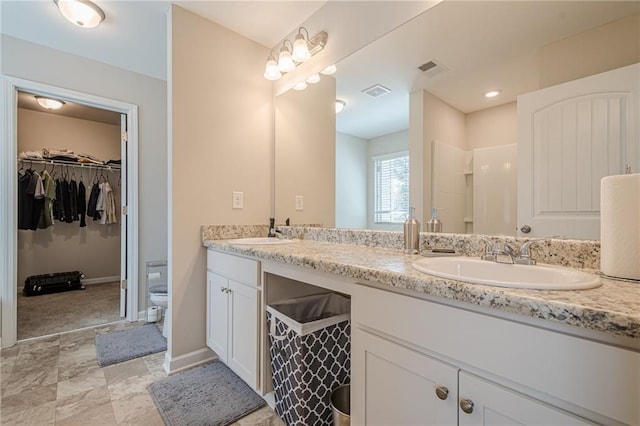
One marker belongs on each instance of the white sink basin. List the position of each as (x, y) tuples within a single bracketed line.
[(260, 241), (537, 277)]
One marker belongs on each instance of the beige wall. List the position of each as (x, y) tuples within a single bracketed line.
[(220, 113), (94, 249), (25, 60), (492, 126), (443, 123), (603, 48), (305, 130)]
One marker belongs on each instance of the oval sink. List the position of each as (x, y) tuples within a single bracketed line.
[(536, 277), (261, 241)]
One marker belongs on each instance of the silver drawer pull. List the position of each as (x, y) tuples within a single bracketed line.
[(442, 392), (466, 405)]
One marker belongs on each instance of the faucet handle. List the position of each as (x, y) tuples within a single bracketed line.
[(525, 253)]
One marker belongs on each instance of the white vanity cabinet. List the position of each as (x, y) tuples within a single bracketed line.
[(406, 351), (233, 307)]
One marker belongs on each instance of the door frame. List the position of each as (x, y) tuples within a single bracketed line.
[(9, 197)]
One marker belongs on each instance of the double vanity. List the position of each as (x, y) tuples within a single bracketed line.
[(428, 345)]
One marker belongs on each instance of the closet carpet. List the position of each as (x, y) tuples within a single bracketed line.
[(69, 310)]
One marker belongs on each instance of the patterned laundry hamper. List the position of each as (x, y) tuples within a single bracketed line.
[(310, 347)]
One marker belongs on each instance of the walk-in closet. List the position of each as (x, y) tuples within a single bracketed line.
[(69, 221)]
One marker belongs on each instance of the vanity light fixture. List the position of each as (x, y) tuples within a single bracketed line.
[(340, 104), (271, 71), (82, 13), (314, 79), (301, 47), (285, 61), (292, 54), (48, 103), (492, 93), (300, 86), (331, 69)]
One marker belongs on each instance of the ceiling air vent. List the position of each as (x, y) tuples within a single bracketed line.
[(376, 91), (431, 68)]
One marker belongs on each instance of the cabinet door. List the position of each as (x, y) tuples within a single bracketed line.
[(495, 405), (217, 314), (394, 385), (242, 353)]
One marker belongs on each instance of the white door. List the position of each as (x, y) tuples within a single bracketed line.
[(242, 350), (217, 290), (485, 403), (123, 217), (393, 385), (570, 136)]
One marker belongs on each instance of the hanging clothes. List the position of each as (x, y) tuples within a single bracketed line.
[(58, 210), (66, 201), (46, 219), (106, 204), (82, 204), (93, 201), (73, 198), (25, 202)]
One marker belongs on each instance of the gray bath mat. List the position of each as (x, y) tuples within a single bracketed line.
[(121, 346), (210, 395)]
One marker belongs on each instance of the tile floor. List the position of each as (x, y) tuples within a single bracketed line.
[(56, 381)]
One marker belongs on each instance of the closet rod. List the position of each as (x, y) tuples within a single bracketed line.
[(71, 163)]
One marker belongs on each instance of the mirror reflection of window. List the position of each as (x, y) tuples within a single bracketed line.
[(391, 188)]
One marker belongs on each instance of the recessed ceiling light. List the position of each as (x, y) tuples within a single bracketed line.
[(82, 13), (340, 105), (49, 103), (492, 93)]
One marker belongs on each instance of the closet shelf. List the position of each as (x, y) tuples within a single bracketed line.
[(71, 163)]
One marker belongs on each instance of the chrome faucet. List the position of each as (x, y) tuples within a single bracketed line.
[(273, 231), (499, 252)]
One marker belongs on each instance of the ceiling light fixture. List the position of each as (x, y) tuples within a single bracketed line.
[(492, 93), (340, 104), (49, 103), (292, 54), (82, 13)]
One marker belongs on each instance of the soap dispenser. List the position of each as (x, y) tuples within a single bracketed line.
[(411, 233), (434, 224)]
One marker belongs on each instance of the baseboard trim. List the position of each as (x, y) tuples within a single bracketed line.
[(100, 280), (173, 365)]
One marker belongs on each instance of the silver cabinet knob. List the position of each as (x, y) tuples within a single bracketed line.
[(223, 290), (525, 229), (466, 405), (442, 392)]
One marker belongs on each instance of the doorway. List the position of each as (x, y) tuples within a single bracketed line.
[(126, 282)]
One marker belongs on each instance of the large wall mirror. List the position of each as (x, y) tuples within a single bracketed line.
[(416, 117)]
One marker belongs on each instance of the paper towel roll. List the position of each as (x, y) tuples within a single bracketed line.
[(153, 276), (620, 226)]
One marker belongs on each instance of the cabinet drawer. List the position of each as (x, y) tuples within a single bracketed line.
[(235, 267)]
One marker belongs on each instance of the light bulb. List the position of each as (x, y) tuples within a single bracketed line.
[(340, 105), (82, 13), (493, 93), (300, 86), (331, 69), (314, 79)]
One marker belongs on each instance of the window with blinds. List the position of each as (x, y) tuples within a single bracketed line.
[(391, 188)]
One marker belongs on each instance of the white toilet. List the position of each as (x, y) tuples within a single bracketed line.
[(159, 296)]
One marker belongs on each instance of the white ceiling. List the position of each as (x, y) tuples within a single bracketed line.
[(481, 44)]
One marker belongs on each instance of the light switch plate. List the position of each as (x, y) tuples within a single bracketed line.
[(299, 202), (238, 200)]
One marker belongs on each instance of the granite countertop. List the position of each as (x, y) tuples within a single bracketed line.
[(613, 308)]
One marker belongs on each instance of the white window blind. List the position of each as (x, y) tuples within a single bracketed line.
[(391, 188)]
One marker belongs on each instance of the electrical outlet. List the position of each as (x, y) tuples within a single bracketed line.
[(299, 202), (238, 200)]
